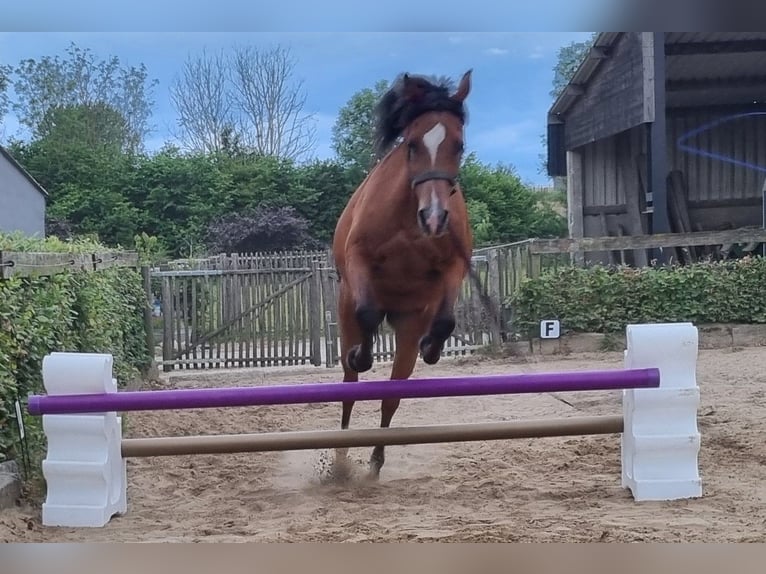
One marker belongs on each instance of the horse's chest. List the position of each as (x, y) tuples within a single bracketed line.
[(402, 263)]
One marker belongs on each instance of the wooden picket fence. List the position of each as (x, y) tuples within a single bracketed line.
[(270, 309), (280, 309)]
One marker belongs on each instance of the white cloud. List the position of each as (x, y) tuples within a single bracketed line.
[(496, 51), (537, 53), (455, 39)]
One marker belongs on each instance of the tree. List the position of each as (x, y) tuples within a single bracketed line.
[(96, 125), (326, 187), (81, 80), (246, 101), (5, 73), (568, 60), (202, 98), (179, 194), (272, 103), (501, 208), (353, 131), (86, 185)]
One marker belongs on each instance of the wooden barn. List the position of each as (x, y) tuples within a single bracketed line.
[(662, 132)]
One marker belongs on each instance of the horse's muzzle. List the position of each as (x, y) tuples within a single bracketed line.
[(433, 219)]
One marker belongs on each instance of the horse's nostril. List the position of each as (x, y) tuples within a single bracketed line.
[(422, 217), (443, 216)]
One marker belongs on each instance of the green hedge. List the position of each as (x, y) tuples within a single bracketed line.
[(85, 312), (605, 299)]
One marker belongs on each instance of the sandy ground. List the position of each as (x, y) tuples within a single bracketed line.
[(550, 489)]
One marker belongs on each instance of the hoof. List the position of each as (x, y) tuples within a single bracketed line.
[(377, 459), (358, 362), (430, 351)]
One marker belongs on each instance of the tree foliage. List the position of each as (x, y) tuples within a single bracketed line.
[(97, 126), (88, 186), (502, 208), (79, 79), (568, 59), (176, 196), (5, 74), (353, 132)]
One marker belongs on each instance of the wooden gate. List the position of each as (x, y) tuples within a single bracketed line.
[(242, 311)]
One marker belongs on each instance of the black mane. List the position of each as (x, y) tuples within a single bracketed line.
[(395, 111)]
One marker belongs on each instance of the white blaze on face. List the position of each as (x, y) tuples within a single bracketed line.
[(433, 138)]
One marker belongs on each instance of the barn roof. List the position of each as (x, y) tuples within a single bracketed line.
[(4, 152), (701, 68)]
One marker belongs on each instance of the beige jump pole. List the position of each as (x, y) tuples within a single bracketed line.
[(310, 440)]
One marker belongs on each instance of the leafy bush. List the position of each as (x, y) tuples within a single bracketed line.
[(260, 229), (85, 312), (503, 209), (605, 299)]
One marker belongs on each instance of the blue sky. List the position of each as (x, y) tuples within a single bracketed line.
[(512, 73)]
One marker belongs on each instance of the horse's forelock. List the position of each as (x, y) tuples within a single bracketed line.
[(395, 111)]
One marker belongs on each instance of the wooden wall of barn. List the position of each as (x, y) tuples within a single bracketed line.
[(611, 169), (614, 99), (719, 193)]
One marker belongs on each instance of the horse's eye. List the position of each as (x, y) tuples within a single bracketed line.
[(411, 149), (459, 147)]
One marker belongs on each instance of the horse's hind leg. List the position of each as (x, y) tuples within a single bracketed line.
[(408, 331)]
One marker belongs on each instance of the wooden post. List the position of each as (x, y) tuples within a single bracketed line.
[(654, 83), (330, 304), (167, 324), (493, 292), (148, 328), (315, 315), (575, 201)]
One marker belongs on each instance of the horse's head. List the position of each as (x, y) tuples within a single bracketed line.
[(430, 121)]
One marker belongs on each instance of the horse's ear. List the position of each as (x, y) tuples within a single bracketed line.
[(412, 89), (464, 87)]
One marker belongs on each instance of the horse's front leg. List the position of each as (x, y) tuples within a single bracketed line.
[(367, 315), (442, 326)]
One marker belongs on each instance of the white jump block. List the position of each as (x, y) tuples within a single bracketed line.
[(661, 442), (84, 470)]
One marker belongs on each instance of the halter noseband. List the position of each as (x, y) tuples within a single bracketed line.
[(434, 174)]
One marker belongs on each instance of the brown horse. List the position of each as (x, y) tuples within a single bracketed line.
[(402, 246)]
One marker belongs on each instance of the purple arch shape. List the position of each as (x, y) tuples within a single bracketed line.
[(712, 155)]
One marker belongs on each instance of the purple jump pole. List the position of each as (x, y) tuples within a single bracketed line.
[(337, 392)]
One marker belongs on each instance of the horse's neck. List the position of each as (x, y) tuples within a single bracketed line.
[(392, 181), (382, 162)]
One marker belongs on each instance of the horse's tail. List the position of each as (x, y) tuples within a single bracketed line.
[(486, 301)]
